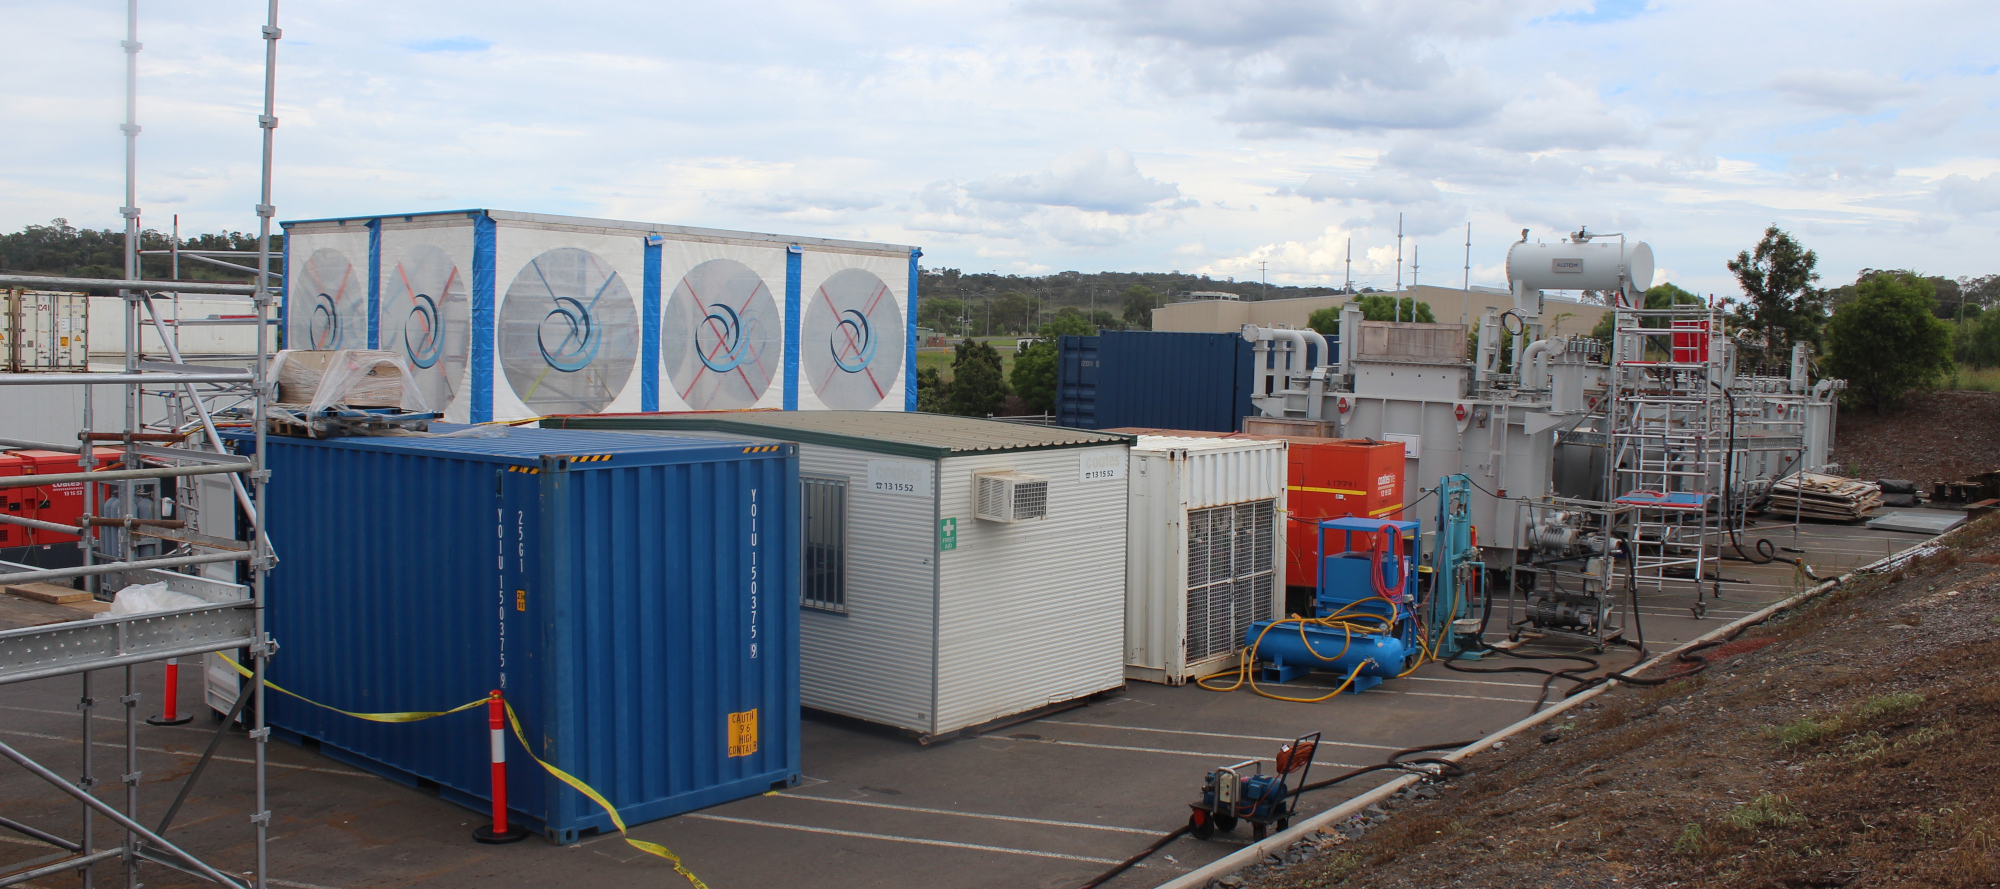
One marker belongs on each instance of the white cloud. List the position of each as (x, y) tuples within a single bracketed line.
[(1968, 195), (1376, 187), (1561, 114), (1103, 181), (958, 128), (1853, 91)]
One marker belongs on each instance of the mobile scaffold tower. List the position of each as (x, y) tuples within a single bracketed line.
[(178, 441)]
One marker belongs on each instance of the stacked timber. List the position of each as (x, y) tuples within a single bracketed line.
[(1832, 498)]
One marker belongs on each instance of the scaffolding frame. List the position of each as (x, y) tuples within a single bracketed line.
[(232, 616), (1684, 429)]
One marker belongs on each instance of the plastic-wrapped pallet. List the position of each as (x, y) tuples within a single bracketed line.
[(349, 377)]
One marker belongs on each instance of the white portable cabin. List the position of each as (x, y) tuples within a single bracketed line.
[(1205, 552), (957, 570), (507, 316)]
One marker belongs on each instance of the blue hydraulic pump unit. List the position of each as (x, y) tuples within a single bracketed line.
[(1456, 597), (1364, 626)]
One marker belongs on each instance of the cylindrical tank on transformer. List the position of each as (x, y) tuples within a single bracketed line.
[(1581, 265)]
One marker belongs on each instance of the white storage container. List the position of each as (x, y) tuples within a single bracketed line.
[(1205, 552), (957, 571)]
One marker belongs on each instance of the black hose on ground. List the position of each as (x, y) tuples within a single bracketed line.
[(1128, 863)]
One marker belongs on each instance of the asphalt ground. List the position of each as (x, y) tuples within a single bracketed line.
[(1045, 803)]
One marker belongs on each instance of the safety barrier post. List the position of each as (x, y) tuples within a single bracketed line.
[(171, 698), (499, 831)]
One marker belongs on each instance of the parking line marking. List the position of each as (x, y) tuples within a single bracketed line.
[(269, 764), (875, 805), (72, 713), (1175, 731), (892, 838), (1227, 756), (24, 841)]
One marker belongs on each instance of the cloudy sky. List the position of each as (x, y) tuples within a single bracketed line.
[(1045, 135)]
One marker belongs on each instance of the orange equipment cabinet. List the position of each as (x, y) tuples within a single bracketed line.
[(1334, 478), (59, 503)]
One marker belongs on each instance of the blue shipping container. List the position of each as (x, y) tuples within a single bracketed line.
[(1161, 379), (633, 596), (1076, 382), (1157, 379)]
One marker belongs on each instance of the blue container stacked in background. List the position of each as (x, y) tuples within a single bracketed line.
[(633, 596), (1155, 379)]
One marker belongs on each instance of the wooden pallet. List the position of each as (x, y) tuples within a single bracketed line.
[(1832, 498)]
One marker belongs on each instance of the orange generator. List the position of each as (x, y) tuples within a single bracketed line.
[(1333, 478)]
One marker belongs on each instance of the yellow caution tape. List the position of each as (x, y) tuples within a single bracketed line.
[(598, 798), (565, 777), (417, 716)]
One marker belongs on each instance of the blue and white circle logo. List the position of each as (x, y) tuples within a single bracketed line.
[(853, 336), (721, 337)]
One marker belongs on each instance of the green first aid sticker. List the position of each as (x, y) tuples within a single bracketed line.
[(948, 534)]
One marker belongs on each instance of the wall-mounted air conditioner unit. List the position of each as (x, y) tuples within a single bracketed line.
[(1010, 496)]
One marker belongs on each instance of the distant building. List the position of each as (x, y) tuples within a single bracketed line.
[(1212, 294), (1561, 315)]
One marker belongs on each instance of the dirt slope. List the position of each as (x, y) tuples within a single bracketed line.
[(1936, 437), (1853, 743)]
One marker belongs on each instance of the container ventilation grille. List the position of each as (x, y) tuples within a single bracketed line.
[(1011, 497), (1232, 557)]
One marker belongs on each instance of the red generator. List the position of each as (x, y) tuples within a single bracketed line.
[(59, 503), (16, 502)]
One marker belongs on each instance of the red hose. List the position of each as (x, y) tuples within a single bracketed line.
[(1389, 545)]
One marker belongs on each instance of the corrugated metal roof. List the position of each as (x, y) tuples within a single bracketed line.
[(526, 445), (913, 434), (1189, 443)]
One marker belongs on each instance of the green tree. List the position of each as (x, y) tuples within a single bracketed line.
[(933, 393), (1010, 313), (1782, 304), (939, 313), (1140, 301), (1034, 377), (62, 249), (1659, 296), (1886, 341), (1374, 307), (1067, 324), (1384, 307), (1982, 346), (977, 385), (1104, 320)]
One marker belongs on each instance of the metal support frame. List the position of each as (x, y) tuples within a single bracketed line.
[(196, 394)]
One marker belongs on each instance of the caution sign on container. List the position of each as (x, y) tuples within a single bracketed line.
[(743, 733)]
